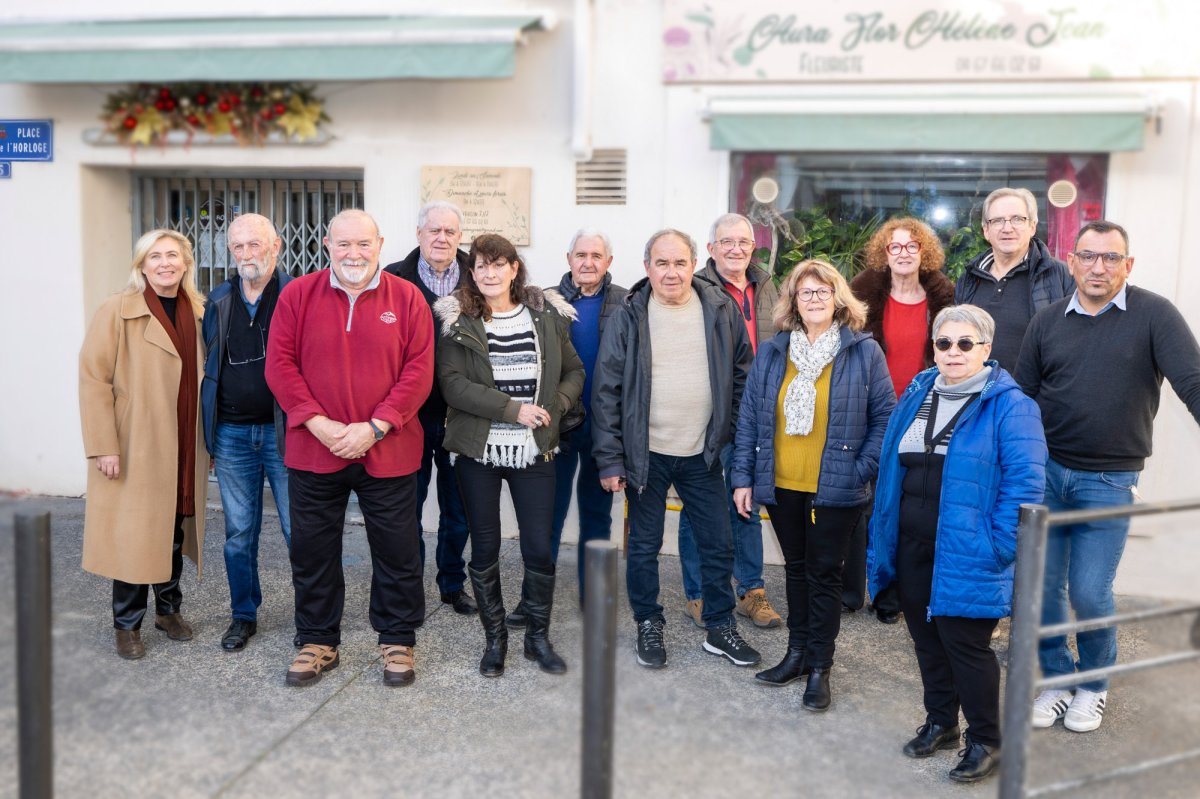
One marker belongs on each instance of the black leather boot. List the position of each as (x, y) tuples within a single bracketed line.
[(539, 599), (979, 761), (486, 584), (930, 738), (519, 616), (790, 669), (816, 693)]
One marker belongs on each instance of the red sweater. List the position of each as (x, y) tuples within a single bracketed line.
[(377, 361)]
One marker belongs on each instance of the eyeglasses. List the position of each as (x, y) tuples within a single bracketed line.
[(745, 245), (912, 248), (998, 221), (1111, 259), (822, 293), (964, 344), (251, 354)]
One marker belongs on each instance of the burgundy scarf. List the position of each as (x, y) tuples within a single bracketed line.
[(183, 336)]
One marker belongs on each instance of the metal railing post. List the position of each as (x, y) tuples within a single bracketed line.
[(35, 719), (1030, 567), (599, 668)]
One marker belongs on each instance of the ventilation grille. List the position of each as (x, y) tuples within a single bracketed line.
[(601, 180)]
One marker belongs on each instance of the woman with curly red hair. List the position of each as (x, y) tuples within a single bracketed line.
[(904, 289)]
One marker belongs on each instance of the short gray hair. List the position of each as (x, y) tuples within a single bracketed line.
[(590, 233), (438, 205), (670, 231), (727, 219), (1023, 194), (352, 213), (971, 315)]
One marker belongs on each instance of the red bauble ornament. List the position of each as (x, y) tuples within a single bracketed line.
[(280, 108), (170, 104), (224, 105), (266, 113), (193, 120), (234, 100), (201, 99), (161, 105), (130, 123), (164, 93)]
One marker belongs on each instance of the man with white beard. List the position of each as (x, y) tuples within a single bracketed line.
[(350, 360), (243, 425)]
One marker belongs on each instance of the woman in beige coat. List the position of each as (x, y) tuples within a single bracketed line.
[(139, 376)]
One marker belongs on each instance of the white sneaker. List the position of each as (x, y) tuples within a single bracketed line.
[(1050, 706), (1086, 711)]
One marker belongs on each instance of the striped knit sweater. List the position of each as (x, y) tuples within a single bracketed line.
[(513, 352)]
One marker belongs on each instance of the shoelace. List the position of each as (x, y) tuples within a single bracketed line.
[(652, 633), (759, 602), (732, 637)]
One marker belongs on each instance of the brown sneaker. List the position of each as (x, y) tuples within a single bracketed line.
[(129, 644), (754, 606), (311, 660), (174, 626), (397, 665), (693, 611)]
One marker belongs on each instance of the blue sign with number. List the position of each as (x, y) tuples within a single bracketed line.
[(5, 169), (26, 140)]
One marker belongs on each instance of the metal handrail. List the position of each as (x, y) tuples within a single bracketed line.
[(1032, 530)]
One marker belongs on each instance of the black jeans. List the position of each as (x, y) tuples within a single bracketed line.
[(452, 524), (958, 666), (318, 508), (129, 599), (532, 490), (814, 542)]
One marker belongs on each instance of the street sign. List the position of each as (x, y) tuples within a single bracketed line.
[(5, 169), (27, 139)]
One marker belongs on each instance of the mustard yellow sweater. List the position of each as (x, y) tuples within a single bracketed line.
[(798, 458)]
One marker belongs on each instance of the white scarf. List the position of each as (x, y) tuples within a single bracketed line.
[(800, 402)]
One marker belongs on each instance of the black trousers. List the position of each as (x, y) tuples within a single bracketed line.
[(854, 575), (814, 543), (318, 511), (958, 666), (532, 490), (129, 599)]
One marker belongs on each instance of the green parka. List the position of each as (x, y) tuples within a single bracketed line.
[(464, 373)]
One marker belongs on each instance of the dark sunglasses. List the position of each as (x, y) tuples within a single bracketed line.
[(964, 344)]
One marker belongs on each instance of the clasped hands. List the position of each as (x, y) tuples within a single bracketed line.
[(349, 441)]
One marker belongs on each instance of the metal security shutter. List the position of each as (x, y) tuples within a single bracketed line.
[(201, 207)]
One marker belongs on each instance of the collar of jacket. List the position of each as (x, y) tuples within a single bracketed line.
[(570, 292), (781, 340), (1039, 257), (409, 263), (923, 382), (754, 273), (448, 309)]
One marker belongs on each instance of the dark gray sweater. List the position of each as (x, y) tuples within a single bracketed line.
[(1098, 379)]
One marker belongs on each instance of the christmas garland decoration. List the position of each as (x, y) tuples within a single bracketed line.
[(145, 113)]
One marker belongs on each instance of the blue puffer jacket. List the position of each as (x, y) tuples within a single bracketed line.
[(995, 462), (861, 398)]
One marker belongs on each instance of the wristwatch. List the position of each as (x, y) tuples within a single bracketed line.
[(379, 434)]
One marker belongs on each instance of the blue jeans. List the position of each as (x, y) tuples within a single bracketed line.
[(245, 453), (1081, 564), (747, 543), (452, 520), (703, 490), (594, 503)]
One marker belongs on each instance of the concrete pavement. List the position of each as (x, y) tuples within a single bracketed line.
[(191, 720)]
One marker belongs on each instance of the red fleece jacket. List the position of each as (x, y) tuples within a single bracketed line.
[(375, 359)]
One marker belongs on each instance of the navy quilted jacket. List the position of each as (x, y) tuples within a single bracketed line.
[(996, 460), (861, 398)]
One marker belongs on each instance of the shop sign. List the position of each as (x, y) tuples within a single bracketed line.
[(492, 199), (942, 40), (26, 140)]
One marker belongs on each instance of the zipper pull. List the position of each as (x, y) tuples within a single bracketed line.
[(814, 514)]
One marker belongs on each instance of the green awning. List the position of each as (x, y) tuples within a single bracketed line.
[(261, 48), (1027, 124)]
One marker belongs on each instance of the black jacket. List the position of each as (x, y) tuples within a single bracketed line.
[(435, 406), (621, 385), (1049, 279), (874, 286)]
